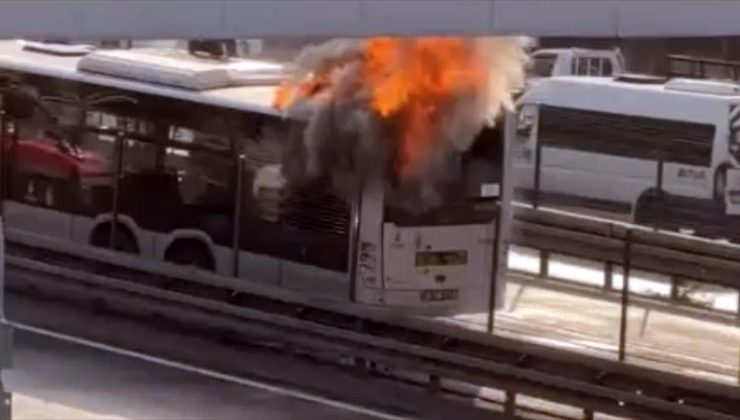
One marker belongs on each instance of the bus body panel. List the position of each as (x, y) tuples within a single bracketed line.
[(438, 265), (368, 277), (48, 221), (564, 169), (313, 280), (178, 156), (585, 169)]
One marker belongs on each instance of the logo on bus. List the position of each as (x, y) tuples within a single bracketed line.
[(689, 173), (523, 154)]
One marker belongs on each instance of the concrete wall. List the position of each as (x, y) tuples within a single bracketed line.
[(166, 19)]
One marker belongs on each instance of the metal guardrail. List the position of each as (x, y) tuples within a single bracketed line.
[(702, 67), (392, 340), (676, 255), (604, 240), (632, 247)]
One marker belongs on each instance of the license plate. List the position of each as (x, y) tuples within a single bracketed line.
[(438, 295), (441, 258)]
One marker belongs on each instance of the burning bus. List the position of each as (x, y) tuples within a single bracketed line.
[(367, 170)]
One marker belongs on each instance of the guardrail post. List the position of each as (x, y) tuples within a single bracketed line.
[(544, 264), (674, 288), (537, 174), (510, 403), (626, 262), (588, 414), (608, 275)]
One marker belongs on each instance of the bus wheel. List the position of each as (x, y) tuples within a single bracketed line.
[(648, 208), (124, 241), (641, 213), (190, 252)]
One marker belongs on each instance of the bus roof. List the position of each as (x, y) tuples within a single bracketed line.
[(709, 90), (678, 99), (575, 51), (251, 98)]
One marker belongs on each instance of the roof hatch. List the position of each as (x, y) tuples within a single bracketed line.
[(178, 68), (58, 48)]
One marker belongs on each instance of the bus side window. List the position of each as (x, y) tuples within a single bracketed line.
[(581, 67), (29, 192), (589, 66), (46, 192), (606, 67), (48, 195)]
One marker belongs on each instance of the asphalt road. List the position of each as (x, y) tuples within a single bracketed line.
[(111, 385), (53, 379)]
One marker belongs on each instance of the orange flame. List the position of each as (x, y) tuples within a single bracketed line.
[(287, 94), (408, 79)]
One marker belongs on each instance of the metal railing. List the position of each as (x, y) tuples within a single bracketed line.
[(633, 247), (702, 68), (399, 343)]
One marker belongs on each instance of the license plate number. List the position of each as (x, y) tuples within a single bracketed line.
[(438, 295)]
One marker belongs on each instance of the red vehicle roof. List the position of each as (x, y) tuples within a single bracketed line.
[(45, 158)]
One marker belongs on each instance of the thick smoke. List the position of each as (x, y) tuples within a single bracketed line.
[(397, 123)]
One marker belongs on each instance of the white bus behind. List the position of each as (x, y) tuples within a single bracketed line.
[(656, 151)]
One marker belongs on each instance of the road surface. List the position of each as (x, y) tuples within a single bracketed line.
[(53, 379)]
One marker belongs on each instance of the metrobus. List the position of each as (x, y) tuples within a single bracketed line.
[(647, 149), (176, 157)]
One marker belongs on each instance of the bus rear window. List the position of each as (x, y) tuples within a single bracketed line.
[(471, 198)]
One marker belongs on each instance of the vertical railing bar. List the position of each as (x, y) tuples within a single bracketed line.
[(626, 262)]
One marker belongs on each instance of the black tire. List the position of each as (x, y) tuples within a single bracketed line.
[(645, 208), (190, 252), (124, 241)]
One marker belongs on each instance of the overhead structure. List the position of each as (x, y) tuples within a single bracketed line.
[(161, 19)]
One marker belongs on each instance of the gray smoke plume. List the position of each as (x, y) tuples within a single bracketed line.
[(346, 140)]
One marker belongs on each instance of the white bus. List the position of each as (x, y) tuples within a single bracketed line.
[(155, 152), (657, 151)]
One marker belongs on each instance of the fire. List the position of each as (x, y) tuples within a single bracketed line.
[(411, 104), (416, 78), (411, 79), (287, 94)]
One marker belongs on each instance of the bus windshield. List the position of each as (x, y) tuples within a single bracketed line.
[(472, 197)]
